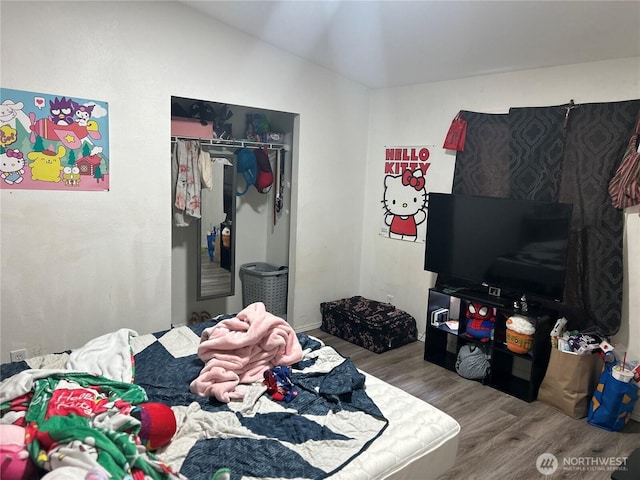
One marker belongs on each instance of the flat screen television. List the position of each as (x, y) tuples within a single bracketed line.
[(498, 246)]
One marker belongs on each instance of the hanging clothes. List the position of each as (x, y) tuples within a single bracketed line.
[(205, 163), (624, 187), (187, 181), (213, 199)]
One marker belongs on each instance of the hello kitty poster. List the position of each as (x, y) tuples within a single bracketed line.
[(53, 142), (405, 197)]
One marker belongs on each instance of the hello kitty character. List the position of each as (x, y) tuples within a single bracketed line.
[(12, 166), (405, 200)]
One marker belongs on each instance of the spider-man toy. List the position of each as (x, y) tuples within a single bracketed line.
[(480, 321)]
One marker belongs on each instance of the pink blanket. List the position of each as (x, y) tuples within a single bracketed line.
[(240, 349)]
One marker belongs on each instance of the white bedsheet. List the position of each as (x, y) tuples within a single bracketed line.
[(421, 442)]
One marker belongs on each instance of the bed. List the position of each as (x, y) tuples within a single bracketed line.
[(341, 423)]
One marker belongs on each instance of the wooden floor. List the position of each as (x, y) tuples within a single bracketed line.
[(501, 436), (214, 280)]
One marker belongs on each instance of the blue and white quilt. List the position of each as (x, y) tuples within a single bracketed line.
[(330, 422)]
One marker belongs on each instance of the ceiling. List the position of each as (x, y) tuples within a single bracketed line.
[(393, 43)]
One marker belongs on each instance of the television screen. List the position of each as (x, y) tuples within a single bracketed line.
[(517, 246)]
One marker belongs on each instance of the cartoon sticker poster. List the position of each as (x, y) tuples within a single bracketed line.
[(405, 196), (53, 142)]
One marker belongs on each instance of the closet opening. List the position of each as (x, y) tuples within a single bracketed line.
[(245, 213)]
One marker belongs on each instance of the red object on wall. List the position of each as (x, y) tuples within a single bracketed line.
[(456, 135)]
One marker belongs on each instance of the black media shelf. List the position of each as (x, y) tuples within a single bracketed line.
[(513, 373)]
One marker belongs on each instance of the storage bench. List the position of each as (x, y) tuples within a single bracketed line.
[(373, 325)]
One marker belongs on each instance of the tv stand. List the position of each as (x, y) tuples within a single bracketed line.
[(485, 298), (517, 374), (505, 299)]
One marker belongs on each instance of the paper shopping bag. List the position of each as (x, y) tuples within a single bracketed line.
[(570, 382)]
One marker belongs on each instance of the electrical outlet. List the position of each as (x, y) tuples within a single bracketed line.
[(19, 355), (389, 298)]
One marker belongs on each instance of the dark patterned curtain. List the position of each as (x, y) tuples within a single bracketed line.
[(483, 167), (542, 154)]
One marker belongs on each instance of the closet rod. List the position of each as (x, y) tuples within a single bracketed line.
[(234, 143)]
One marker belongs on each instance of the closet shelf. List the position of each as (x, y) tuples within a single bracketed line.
[(217, 142)]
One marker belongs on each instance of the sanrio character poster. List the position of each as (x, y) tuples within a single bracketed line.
[(53, 142), (405, 197)]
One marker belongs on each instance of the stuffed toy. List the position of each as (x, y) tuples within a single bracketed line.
[(480, 322), (519, 334), (279, 384), (158, 424), (16, 464)]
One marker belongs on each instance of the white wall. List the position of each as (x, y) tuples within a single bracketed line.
[(421, 115), (78, 264), (119, 242)]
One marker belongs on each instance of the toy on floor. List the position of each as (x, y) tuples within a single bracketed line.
[(16, 463), (158, 424), (480, 322)]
